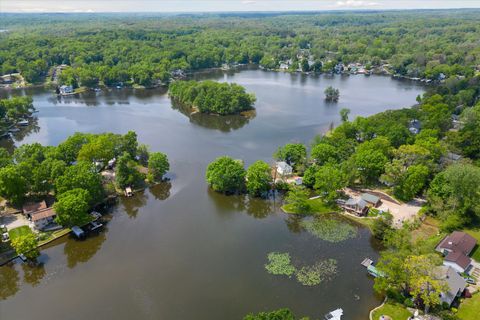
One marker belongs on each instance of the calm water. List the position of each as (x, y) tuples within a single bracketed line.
[(180, 251)]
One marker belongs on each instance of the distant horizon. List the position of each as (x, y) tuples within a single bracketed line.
[(226, 6)]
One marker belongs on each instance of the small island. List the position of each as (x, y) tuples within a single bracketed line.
[(212, 97), (332, 94)]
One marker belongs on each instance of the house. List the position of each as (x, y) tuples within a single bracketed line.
[(284, 169), (456, 248), (371, 199), (66, 89), (458, 261), (40, 219), (357, 206), (32, 207), (457, 241), (414, 127), (455, 283)]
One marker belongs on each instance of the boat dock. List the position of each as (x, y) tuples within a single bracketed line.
[(367, 262)]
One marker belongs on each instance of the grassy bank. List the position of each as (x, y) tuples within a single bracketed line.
[(393, 310), (316, 206)]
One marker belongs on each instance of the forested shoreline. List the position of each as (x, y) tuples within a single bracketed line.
[(148, 50)]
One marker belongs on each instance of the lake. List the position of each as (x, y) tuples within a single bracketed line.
[(179, 250)]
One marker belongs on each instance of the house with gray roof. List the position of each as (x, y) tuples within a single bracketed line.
[(371, 199), (455, 283), (356, 206)]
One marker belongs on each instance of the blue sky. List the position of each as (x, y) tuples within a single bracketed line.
[(223, 5)]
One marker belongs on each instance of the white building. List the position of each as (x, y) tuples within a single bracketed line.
[(284, 169)]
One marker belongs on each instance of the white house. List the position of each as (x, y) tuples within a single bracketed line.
[(66, 89), (284, 169), (40, 219)]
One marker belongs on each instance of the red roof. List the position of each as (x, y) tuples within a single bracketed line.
[(458, 258), (458, 241), (42, 214), (34, 206)]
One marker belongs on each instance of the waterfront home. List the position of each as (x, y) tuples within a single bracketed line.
[(32, 207), (456, 248), (455, 283), (414, 127), (284, 169), (42, 218), (66, 89), (357, 206), (371, 199), (128, 192)]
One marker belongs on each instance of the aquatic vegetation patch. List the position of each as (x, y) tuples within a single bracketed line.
[(313, 275), (280, 264), (308, 275), (330, 230)]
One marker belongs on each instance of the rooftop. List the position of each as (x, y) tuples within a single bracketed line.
[(458, 241), (370, 198), (43, 214), (34, 206), (459, 258)]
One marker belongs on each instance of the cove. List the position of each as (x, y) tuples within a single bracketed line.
[(179, 250)]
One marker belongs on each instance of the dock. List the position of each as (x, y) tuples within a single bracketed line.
[(367, 262)]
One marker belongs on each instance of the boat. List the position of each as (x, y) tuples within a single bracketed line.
[(334, 315), (23, 122), (13, 130), (374, 272)]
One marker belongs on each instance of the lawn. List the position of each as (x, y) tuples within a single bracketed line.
[(470, 308), (316, 206), (394, 311), (20, 231)]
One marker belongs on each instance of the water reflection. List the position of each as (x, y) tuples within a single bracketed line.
[(260, 208), (8, 281), (9, 142), (294, 223), (161, 191), (82, 251), (221, 123), (133, 204), (33, 273)]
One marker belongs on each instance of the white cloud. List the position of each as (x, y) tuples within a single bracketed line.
[(248, 2), (356, 3)]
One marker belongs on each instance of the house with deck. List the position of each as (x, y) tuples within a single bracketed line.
[(357, 206), (456, 249), (371, 199)]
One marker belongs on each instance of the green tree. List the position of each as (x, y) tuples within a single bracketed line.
[(226, 175), (454, 194), (129, 144), (258, 178), (5, 158), (69, 149), (281, 314), (26, 244), (323, 153), (329, 179), (411, 182), (100, 148), (344, 112), (72, 207), (297, 197), (143, 154), (126, 173), (294, 154), (158, 164), (13, 185), (82, 176), (332, 94)]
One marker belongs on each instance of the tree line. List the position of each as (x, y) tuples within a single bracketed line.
[(146, 49)]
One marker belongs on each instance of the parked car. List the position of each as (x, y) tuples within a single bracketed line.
[(5, 237), (470, 280)]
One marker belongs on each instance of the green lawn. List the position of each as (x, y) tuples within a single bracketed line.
[(316, 206), (476, 253), (20, 231), (470, 308), (394, 311)]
